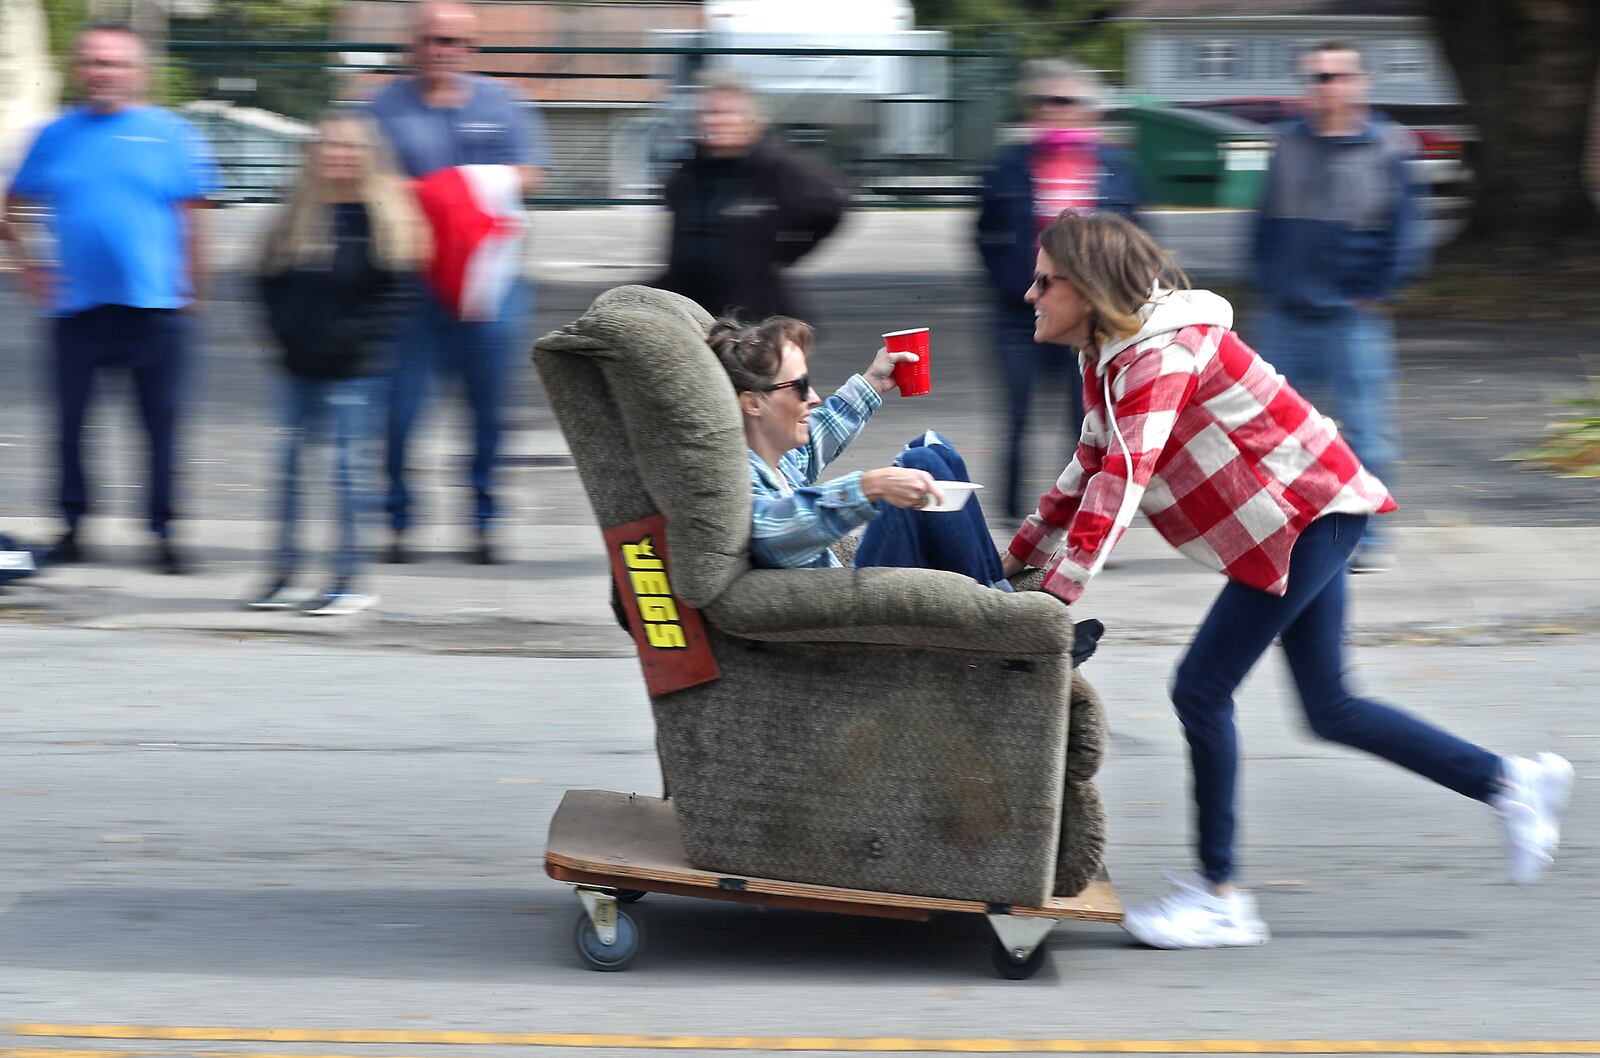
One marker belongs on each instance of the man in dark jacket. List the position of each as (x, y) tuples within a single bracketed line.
[(1336, 237), (744, 209), (1063, 164)]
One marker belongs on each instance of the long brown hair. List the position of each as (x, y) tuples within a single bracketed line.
[(303, 234), (751, 353), (1114, 264)]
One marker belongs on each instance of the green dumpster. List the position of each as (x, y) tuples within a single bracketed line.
[(1198, 158)]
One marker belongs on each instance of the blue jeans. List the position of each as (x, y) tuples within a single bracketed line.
[(150, 344), (433, 342), (1309, 621), (1022, 361), (344, 414), (954, 541), (1345, 365)]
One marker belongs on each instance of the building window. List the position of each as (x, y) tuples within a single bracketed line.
[(1403, 60), (1216, 60), (1293, 51)]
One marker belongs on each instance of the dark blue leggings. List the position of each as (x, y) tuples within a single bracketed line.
[(1309, 621), (956, 541)]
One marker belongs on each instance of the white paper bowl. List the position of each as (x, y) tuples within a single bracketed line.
[(956, 495)]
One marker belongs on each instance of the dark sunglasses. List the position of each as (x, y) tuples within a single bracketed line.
[(1328, 76), (801, 386), (439, 41), (1059, 101), (1042, 282)]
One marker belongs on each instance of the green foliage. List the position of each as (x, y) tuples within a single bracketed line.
[(63, 17), (287, 83), (1572, 448), (1033, 29)]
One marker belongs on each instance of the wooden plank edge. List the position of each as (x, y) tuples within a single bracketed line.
[(739, 896), (707, 884)]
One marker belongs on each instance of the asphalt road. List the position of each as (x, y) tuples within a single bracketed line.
[(252, 834)]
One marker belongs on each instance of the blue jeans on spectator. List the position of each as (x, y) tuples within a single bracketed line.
[(954, 541), (433, 342), (344, 414), (1343, 363), (1022, 362), (150, 344), (1309, 621)]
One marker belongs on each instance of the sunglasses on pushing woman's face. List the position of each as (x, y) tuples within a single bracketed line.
[(1042, 281)]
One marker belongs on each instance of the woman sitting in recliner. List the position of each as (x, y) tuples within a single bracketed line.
[(793, 435)]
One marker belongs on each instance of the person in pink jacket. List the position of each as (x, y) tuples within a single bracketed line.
[(1184, 422)]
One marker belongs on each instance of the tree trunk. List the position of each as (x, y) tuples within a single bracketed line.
[(1527, 74)]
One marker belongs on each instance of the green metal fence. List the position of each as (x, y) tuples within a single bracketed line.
[(910, 126)]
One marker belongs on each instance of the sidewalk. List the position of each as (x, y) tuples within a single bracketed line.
[(550, 597)]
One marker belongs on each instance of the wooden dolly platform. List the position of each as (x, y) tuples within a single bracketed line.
[(617, 847)]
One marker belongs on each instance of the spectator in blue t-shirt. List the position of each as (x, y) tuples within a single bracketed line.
[(444, 116), (123, 182)]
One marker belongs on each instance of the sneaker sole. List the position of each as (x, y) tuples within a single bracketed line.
[(342, 610)]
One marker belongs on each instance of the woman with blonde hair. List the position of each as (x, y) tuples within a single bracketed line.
[(1184, 422), (334, 275)]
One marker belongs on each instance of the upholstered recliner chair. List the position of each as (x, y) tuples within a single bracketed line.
[(894, 730)]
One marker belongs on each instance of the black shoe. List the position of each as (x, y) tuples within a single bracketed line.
[(168, 560), (66, 550), (484, 554), (396, 554)]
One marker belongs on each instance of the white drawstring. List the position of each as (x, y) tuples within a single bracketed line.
[(1124, 515)]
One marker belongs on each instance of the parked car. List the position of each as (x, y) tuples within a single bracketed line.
[(1444, 140)]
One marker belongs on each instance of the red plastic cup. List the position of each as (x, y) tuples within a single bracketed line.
[(913, 377)]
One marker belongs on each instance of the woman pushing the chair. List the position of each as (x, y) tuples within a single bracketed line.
[(1187, 424)]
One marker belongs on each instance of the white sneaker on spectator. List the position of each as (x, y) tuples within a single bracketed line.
[(1533, 795), (1192, 916), (341, 600)]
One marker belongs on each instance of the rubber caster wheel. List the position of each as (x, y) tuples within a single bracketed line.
[(630, 896), (1011, 968), (597, 956)]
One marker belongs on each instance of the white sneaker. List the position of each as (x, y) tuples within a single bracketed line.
[(279, 595), (1191, 916), (1534, 793), (339, 601)]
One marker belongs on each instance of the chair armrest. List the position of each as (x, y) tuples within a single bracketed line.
[(902, 607)]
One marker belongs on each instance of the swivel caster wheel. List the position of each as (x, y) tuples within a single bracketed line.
[(596, 954), (1007, 965)]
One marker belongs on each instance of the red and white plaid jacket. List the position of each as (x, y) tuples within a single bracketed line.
[(1186, 423)]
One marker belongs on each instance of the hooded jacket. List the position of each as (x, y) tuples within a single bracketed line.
[(1184, 422)]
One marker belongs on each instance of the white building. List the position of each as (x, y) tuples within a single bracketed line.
[(28, 82), (1187, 50)]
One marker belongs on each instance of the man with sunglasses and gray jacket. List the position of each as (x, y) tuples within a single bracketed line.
[(1337, 235)]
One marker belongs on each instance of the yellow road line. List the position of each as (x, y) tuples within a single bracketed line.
[(856, 1044)]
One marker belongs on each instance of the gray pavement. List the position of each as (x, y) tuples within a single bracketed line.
[(215, 817), (272, 835)]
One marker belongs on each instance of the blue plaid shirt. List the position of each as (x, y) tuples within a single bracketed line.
[(793, 519)]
